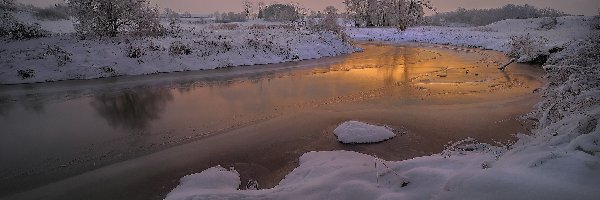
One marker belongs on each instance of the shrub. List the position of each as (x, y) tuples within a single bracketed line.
[(62, 57), (179, 48), (25, 73), (134, 52), (548, 23), (13, 29), (528, 49), (114, 17), (591, 52)]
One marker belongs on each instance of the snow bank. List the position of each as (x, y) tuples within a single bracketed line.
[(195, 47), (214, 180), (561, 160), (495, 36), (359, 132)]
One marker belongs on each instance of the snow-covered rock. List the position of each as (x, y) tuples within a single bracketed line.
[(360, 132)]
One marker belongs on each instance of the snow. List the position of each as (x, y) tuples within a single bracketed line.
[(360, 132), (495, 36), (54, 26), (560, 160), (216, 179), (199, 46)]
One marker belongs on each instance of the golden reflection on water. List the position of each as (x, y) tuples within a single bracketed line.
[(416, 72), (121, 122)]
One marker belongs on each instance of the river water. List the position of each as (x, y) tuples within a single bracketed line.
[(134, 137)]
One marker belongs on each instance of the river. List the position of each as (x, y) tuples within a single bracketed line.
[(134, 137)]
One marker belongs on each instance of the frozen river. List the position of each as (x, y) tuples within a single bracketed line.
[(134, 137)]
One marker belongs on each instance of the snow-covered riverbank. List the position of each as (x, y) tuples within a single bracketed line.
[(196, 46), (560, 160), (496, 36)]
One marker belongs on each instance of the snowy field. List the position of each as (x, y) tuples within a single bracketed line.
[(560, 160), (194, 46)]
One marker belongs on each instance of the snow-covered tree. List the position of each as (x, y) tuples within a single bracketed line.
[(280, 12), (329, 21), (247, 5), (114, 17), (398, 13), (261, 6), (170, 13), (186, 14)]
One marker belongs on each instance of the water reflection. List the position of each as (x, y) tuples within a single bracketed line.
[(67, 120), (132, 109)]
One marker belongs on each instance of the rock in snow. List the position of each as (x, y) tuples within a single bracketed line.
[(359, 132)]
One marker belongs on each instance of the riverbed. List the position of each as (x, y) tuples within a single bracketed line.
[(134, 137)]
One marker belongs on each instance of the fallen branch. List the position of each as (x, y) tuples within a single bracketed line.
[(507, 64)]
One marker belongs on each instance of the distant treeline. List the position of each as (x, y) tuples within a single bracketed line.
[(481, 17)]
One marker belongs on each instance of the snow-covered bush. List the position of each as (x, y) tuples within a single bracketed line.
[(25, 73), (179, 48), (279, 12), (548, 23), (592, 51), (528, 48), (56, 12), (328, 23), (114, 17), (62, 57), (11, 28), (134, 52)]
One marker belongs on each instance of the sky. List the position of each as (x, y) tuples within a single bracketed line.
[(576, 7)]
